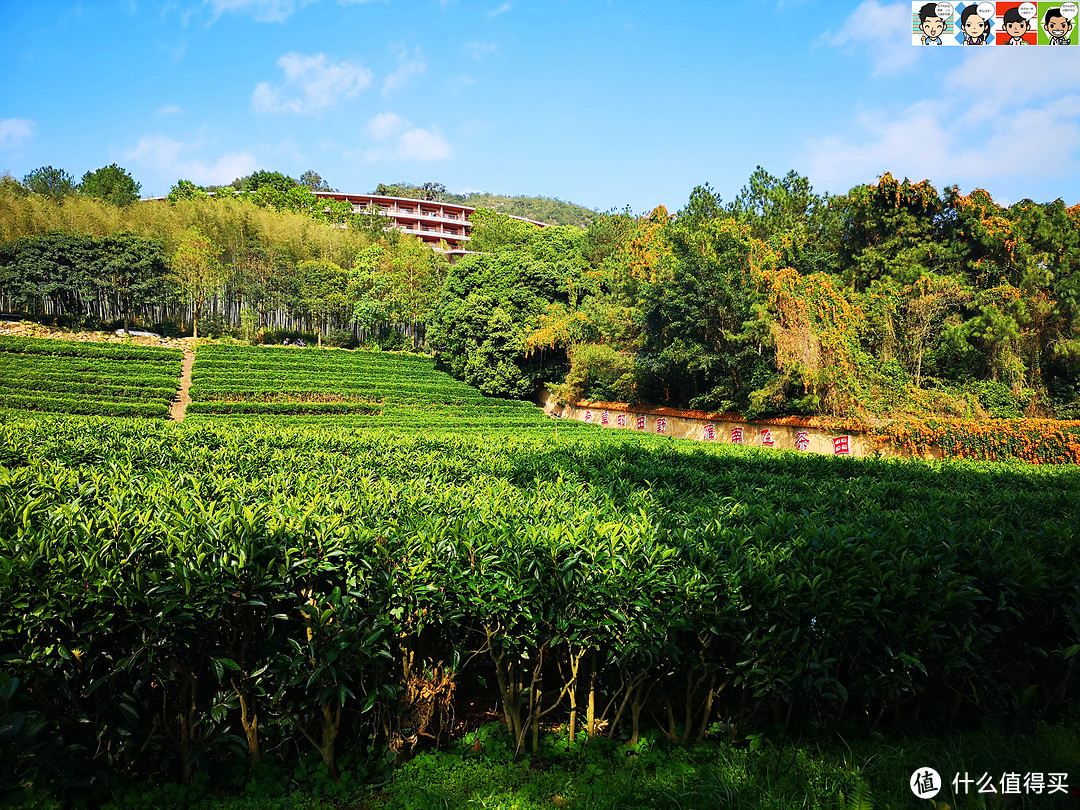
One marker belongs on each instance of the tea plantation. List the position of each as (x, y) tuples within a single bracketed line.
[(237, 600), (350, 389), (65, 376)]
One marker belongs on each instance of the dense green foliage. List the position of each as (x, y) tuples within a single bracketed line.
[(84, 280), (49, 182), (235, 268), (87, 378), (489, 301), (890, 300), (111, 184), (551, 210), (178, 598)]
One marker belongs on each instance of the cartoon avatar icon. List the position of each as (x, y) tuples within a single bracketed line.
[(975, 28), (931, 24), (1057, 27), (1015, 26)]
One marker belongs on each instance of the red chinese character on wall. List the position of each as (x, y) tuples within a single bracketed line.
[(661, 425), (621, 420), (641, 423), (841, 445), (588, 416), (710, 433), (736, 435), (802, 440), (766, 438), (603, 418)]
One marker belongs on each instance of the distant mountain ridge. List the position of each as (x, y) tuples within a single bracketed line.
[(551, 210)]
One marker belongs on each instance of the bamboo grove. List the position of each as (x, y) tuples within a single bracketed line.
[(181, 598), (216, 266)]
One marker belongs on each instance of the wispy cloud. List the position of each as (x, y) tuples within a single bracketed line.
[(872, 28), (423, 144), (478, 50), (505, 7), (404, 141), (260, 10), (311, 84), (410, 63), (170, 109), (173, 159), (1017, 98), (266, 10), (14, 132), (384, 125), (175, 51)]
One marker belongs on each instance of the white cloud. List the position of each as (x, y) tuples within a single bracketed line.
[(505, 7), (993, 116), (873, 28), (384, 125), (478, 50), (261, 10), (412, 144), (170, 109), (423, 144), (1002, 79), (312, 83), (170, 158), (176, 52), (409, 65), (14, 132), (266, 10)]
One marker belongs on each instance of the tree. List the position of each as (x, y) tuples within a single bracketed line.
[(53, 272), (302, 200), (323, 288), (786, 213), (261, 179), (49, 182), (489, 305), (196, 271), (889, 230), (432, 191), (134, 270), (111, 184), (701, 338), (9, 185), (311, 180), (186, 190)]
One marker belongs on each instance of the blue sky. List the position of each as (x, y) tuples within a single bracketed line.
[(605, 104)]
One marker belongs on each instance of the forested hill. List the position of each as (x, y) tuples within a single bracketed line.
[(541, 209)]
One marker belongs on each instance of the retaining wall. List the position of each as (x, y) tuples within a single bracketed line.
[(726, 428)]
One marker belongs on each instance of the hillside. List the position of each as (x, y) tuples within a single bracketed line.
[(542, 209), (551, 210)]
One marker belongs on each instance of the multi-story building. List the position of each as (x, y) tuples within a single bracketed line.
[(433, 222)]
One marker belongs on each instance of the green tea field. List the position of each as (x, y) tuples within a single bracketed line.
[(327, 387), (64, 376), (346, 560)]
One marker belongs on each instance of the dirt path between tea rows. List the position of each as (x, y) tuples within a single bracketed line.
[(183, 398)]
